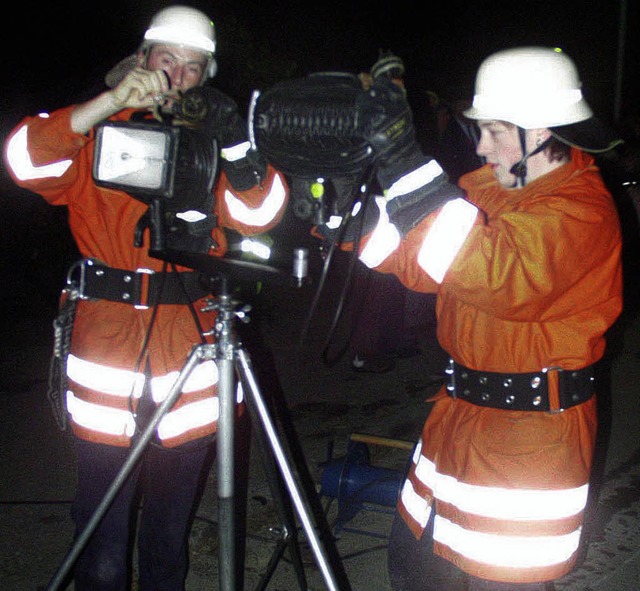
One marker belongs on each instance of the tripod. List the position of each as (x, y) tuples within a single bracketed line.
[(230, 358)]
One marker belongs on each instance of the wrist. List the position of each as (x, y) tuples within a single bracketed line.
[(87, 115)]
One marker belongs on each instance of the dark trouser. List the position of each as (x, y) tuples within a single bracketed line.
[(413, 566), (166, 485)]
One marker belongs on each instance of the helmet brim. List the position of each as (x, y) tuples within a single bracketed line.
[(591, 135)]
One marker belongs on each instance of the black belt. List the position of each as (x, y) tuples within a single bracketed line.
[(142, 288), (519, 391)]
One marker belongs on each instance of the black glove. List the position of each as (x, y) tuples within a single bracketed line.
[(387, 119), (390, 131), (406, 211), (220, 119)]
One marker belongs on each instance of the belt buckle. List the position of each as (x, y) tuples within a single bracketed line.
[(144, 288), (559, 370), (76, 280)]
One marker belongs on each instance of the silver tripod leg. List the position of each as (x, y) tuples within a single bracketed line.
[(249, 381)]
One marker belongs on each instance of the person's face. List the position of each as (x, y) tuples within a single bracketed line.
[(184, 67), (500, 146)]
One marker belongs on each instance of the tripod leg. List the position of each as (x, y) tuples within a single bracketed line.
[(225, 465), (289, 534), (248, 380)]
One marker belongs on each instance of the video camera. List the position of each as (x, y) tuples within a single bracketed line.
[(323, 132)]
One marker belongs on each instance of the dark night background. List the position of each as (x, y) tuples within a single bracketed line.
[(61, 51), (65, 48)]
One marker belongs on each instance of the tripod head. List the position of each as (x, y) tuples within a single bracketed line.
[(212, 265)]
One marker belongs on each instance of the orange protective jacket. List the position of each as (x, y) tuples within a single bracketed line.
[(104, 369), (536, 283)]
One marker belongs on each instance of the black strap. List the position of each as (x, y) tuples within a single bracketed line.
[(519, 391), (139, 288)]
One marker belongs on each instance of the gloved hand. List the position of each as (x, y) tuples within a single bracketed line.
[(388, 122), (220, 118), (387, 119), (407, 210)]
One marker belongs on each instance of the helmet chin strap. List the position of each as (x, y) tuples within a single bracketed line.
[(520, 168)]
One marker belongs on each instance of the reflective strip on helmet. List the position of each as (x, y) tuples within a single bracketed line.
[(412, 181), (20, 161), (418, 507), (100, 418), (106, 379), (506, 551), (234, 153), (502, 503), (263, 214), (189, 416), (202, 376), (446, 236), (177, 36), (384, 239)]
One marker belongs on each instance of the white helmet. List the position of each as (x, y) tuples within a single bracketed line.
[(186, 26), (182, 25), (531, 87)]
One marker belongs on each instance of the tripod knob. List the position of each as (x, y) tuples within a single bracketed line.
[(242, 314)]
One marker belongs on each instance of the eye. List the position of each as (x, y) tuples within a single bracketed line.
[(195, 70), (166, 62)]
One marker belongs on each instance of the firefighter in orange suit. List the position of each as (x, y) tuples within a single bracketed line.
[(526, 265), (136, 318)]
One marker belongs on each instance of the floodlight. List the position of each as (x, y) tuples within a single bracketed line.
[(136, 157)]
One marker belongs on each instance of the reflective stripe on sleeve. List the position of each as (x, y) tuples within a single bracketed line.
[(20, 162), (262, 215), (446, 236), (384, 239)]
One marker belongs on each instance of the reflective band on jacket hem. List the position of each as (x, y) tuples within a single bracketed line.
[(262, 215), (189, 416), (100, 418), (383, 241), (418, 507), (20, 162), (446, 236), (203, 376), (502, 503), (113, 421), (105, 379), (503, 550)]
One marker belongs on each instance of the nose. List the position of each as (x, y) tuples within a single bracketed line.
[(482, 149), (177, 76)]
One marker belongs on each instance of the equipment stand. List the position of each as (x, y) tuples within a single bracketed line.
[(229, 357)]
